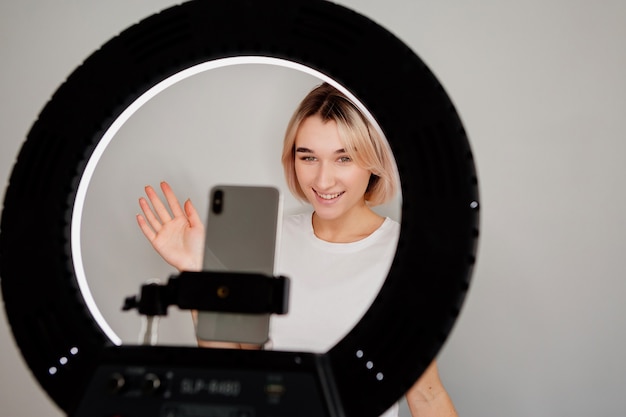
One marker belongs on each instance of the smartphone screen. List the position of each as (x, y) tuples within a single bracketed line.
[(241, 236)]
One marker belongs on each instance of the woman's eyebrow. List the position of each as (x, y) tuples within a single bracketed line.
[(302, 149)]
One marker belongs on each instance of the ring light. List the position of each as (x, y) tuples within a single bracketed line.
[(411, 317)]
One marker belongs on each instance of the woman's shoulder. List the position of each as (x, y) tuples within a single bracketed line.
[(389, 227), (298, 219), (297, 225)]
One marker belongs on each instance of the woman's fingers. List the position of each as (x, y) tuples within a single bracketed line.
[(156, 215), (172, 201), (148, 215), (159, 208), (192, 214), (145, 228)]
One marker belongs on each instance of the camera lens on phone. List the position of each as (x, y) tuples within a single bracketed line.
[(218, 201)]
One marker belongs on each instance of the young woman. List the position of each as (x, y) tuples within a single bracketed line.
[(337, 255)]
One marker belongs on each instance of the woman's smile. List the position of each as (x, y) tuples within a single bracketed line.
[(328, 197)]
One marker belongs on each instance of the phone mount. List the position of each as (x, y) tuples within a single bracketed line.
[(232, 292), (216, 291)]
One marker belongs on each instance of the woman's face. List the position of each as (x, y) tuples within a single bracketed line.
[(332, 182)]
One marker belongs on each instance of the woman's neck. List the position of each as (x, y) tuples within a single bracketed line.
[(352, 227)]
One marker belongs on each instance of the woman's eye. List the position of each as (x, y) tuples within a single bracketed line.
[(307, 158), (345, 159)]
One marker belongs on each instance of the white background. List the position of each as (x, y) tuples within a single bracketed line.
[(540, 88)]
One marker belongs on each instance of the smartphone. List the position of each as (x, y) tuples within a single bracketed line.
[(241, 236)]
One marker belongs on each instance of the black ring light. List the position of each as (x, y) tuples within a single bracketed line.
[(414, 312)]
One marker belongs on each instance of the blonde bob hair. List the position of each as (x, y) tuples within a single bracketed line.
[(359, 138)]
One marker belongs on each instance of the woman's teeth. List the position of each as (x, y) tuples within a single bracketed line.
[(329, 196)]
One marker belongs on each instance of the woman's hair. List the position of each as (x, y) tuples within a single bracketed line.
[(359, 138)]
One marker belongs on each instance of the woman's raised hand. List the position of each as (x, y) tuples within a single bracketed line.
[(178, 237)]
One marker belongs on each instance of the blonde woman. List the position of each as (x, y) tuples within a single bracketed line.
[(337, 254)]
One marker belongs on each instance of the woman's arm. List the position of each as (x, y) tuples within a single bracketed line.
[(428, 397)]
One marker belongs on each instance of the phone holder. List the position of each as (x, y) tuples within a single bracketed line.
[(227, 292)]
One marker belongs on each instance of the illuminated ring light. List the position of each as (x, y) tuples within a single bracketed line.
[(61, 336)]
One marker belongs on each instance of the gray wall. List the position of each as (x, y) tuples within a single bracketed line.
[(540, 88)]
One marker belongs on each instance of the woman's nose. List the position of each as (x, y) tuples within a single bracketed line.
[(325, 177)]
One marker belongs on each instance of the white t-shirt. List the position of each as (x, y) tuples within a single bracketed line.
[(332, 284)]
